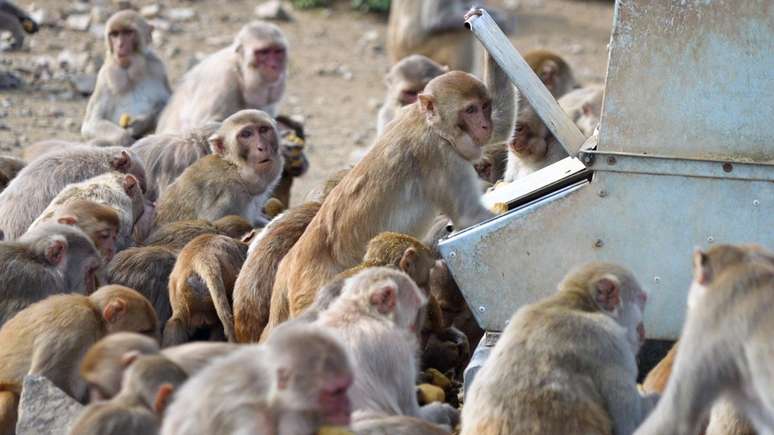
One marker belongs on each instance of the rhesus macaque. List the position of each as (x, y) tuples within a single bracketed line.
[(192, 357), (147, 387), (9, 167), (28, 195), (379, 309), (725, 349), (248, 74), (584, 105), (200, 288), (132, 86), (253, 295), (177, 234), (418, 168), (405, 81), (566, 364), (292, 143), (16, 21), (724, 418), (454, 308), (396, 425), (434, 28), (146, 269), (121, 192), (552, 70), (49, 338), (274, 388), (237, 179), (52, 258)]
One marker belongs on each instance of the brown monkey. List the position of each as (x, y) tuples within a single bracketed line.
[(53, 258), (166, 155), (657, 378), (9, 167), (729, 295), (405, 80), (192, 357), (419, 167), (274, 388), (132, 86), (201, 285), (454, 309), (28, 195), (236, 180), (177, 234), (434, 28), (49, 338), (292, 143), (378, 309), (147, 387), (119, 191), (248, 74), (16, 21), (147, 270), (552, 70), (566, 364)]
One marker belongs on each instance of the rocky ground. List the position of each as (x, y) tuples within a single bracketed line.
[(337, 63)]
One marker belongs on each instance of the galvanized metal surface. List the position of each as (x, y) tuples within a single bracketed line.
[(649, 223), (528, 83), (691, 78)]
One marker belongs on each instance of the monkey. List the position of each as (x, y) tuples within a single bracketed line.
[(566, 364), (9, 168), (27, 196), (405, 80), (132, 86), (396, 425), (454, 309), (237, 179), (52, 258), (145, 269), (419, 167), (274, 388), (193, 357), (177, 234), (656, 379), (120, 192), (552, 70), (147, 387), (379, 308), (16, 21), (248, 74), (49, 337), (292, 143), (433, 28), (201, 285), (584, 105), (253, 294), (728, 296)]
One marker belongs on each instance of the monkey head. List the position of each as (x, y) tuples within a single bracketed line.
[(313, 373), (458, 108), (262, 47), (100, 222), (126, 310), (530, 136), (249, 139), (404, 252), (409, 77), (126, 33)]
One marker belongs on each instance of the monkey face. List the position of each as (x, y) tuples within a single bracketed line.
[(335, 407), (258, 144), (123, 44), (269, 60), (530, 139), (475, 123), (105, 241)]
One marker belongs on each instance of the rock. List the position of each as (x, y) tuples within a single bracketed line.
[(79, 22), (151, 10), (44, 17), (84, 83), (181, 14), (71, 61), (272, 10), (161, 24), (9, 80), (45, 409), (99, 15)]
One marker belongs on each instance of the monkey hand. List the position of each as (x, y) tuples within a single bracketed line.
[(125, 120), (499, 208), (428, 393), (334, 430)]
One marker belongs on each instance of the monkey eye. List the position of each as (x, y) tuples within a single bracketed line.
[(113, 34), (520, 128), (263, 129), (246, 133), (471, 110)]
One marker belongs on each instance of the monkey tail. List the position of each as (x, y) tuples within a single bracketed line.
[(210, 272), (252, 298)]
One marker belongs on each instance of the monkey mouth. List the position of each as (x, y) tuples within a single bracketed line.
[(264, 161)]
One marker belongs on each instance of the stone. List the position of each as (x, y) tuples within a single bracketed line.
[(44, 17), (84, 83), (181, 14), (79, 22), (45, 409), (272, 10), (151, 11)]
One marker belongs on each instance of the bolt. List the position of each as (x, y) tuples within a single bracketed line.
[(657, 279), (481, 309), (710, 239), (599, 243), (602, 193), (728, 167), (611, 160), (756, 203), (452, 254)]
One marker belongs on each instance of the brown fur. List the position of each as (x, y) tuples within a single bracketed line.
[(176, 235)]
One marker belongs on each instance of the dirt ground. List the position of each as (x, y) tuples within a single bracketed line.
[(337, 63)]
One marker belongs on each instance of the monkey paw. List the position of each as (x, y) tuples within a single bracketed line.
[(428, 393), (125, 121)]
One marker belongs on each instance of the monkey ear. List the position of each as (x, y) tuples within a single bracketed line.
[(384, 298), (216, 144), (55, 252), (701, 270), (68, 219), (426, 104), (408, 260), (129, 357), (121, 162), (130, 181), (607, 292), (114, 310), (163, 397)]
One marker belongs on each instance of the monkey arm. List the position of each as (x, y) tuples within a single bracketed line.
[(96, 125), (443, 15), (463, 203), (503, 100)]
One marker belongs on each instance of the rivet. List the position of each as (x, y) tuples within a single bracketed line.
[(611, 160), (657, 279), (481, 309), (599, 243), (710, 239), (602, 193), (756, 203), (728, 167), (452, 254)]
